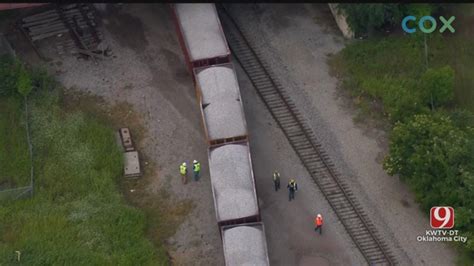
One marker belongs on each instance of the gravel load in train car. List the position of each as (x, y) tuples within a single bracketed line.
[(245, 245), (225, 119), (232, 182), (217, 83), (201, 29)]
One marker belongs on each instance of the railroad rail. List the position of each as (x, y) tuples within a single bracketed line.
[(306, 146)]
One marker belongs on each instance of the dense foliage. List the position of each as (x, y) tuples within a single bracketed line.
[(436, 158), (366, 18)]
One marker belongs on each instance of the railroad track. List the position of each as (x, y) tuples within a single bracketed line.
[(307, 147)]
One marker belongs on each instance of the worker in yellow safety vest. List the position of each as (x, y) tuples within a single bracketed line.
[(183, 170), (276, 180), (292, 188), (196, 169)]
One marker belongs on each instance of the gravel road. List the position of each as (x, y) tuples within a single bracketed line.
[(296, 41)]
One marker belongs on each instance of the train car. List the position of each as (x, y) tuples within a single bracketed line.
[(221, 105), (200, 35), (245, 244), (233, 184)]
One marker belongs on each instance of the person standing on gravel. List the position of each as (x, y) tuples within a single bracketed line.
[(318, 223), (276, 180), (196, 169), (292, 188), (183, 170)]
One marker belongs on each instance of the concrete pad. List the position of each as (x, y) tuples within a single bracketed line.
[(132, 164), (201, 30)]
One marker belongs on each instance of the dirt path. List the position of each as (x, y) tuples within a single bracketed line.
[(289, 225), (297, 45)]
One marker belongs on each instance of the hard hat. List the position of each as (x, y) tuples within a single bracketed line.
[(184, 163), (319, 215), (195, 161)]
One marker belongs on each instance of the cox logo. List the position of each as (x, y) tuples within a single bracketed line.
[(432, 20)]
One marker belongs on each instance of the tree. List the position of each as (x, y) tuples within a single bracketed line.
[(436, 86), (365, 18), (435, 157), (401, 103)]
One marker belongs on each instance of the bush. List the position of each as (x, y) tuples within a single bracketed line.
[(8, 76), (400, 102), (437, 86), (365, 18), (436, 158), (23, 84)]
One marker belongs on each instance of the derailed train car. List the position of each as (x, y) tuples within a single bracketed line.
[(221, 105), (233, 184)]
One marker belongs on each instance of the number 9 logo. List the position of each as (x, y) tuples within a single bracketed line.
[(442, 217)]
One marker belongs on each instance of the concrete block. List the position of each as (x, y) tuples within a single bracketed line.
[(341, 21), (131, 164), (126, 139)]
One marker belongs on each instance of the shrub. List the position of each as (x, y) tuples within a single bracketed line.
[(437, 86), (435, 157), (8, 76), (365, 18)]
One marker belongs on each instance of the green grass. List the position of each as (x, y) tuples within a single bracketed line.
[(14, 160), (78, 215), (369, 67)]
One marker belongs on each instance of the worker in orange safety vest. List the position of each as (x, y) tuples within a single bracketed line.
[(318, 223)]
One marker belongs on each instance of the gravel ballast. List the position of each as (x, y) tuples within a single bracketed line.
[(245, 245), (217, 83), (201, 30), (232, 182)]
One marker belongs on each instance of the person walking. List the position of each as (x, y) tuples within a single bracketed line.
[(196, 169), (183, 170), (318, 223), (292, 188), (276, 180)]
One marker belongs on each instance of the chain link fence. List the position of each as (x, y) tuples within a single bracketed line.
[(25, 191)]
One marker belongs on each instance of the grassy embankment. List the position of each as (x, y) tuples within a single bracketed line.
[(78, 216)]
